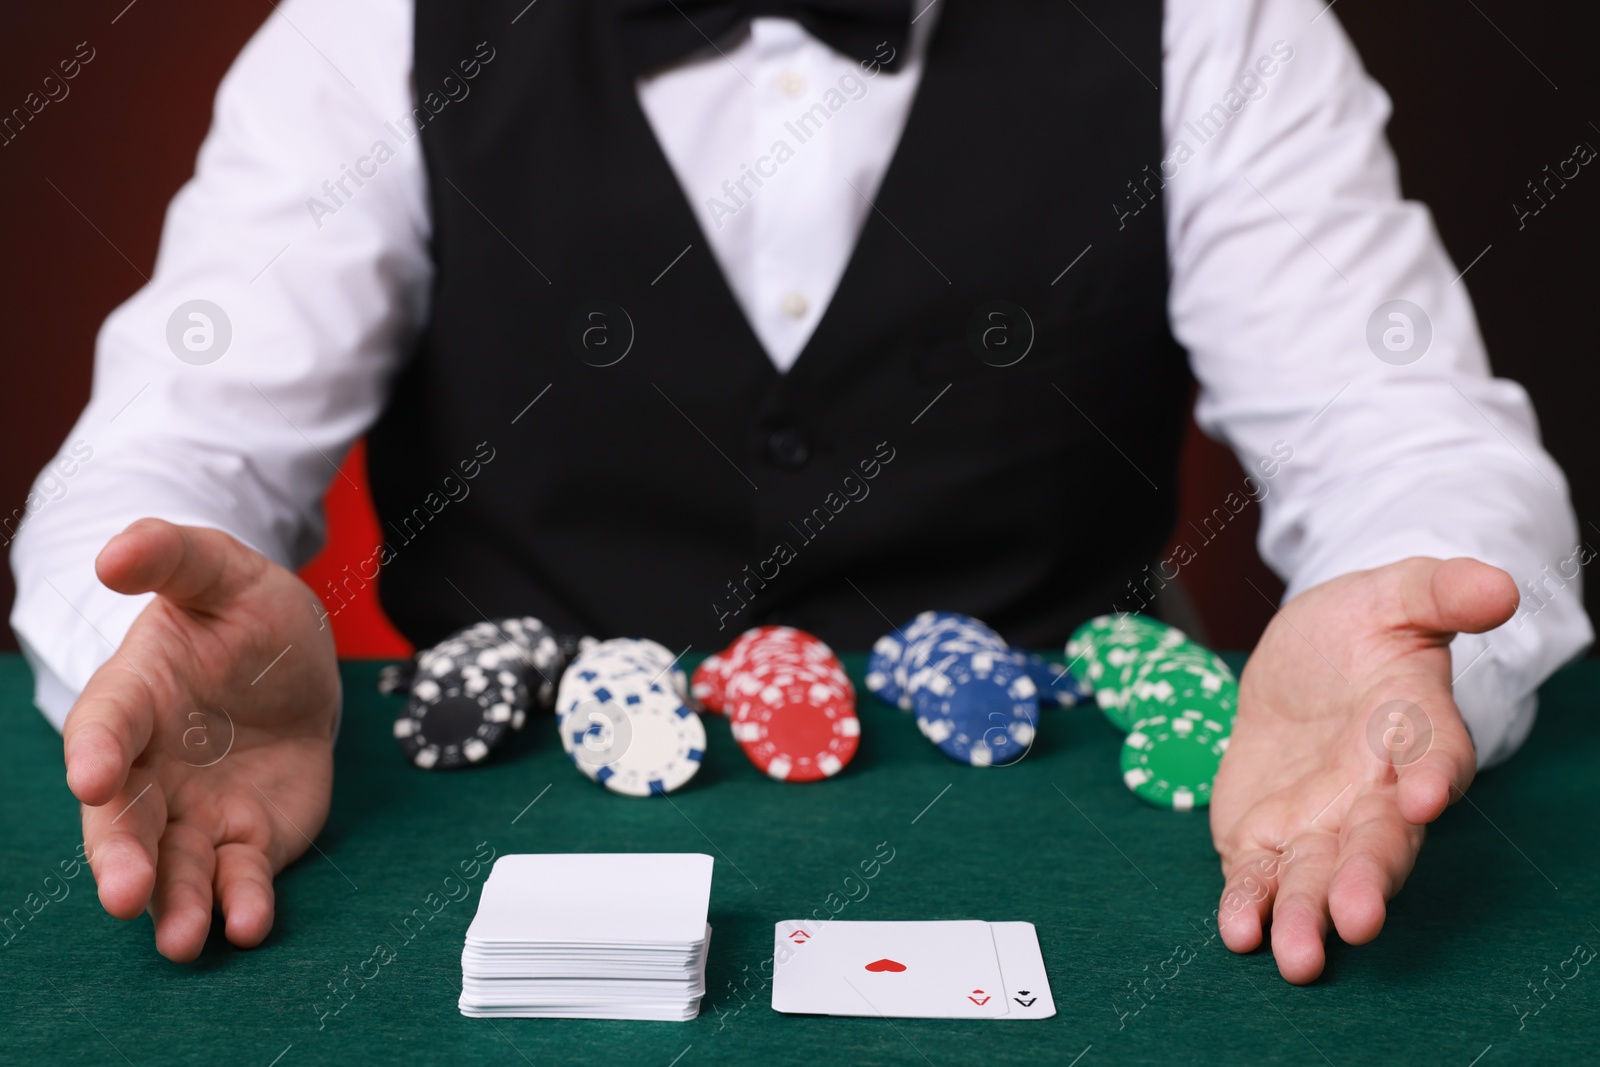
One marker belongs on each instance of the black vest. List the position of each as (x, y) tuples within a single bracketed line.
[(690, 490)]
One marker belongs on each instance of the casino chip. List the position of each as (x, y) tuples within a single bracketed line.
[(762, 644), (789, 703), (638, 748), (1106, 650), (625, 721), (1174, 698), (899, 661), (1055, 681), (469, 691), (979, 708), (885, 656), (461, 722), (974, 696), (707, 683), (1108, 653), (397, 677), (1129, 629), (1170, 761), (1180, 684), (795, 724)]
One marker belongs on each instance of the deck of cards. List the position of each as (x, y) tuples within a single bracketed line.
[(589, 936), (910, 970)]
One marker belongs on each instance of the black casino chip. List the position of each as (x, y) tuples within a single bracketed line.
[(468, 693)]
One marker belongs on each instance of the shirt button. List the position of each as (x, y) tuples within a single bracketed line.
[(791, 84), (795, 305), (788, 449)]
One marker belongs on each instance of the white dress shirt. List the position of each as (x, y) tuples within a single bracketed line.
[(1285, 232)]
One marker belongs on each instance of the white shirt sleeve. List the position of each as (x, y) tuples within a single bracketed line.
[(316, 308), (1286, 234)]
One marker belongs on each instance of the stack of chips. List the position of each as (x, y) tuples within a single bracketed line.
[(470, 691), (975, 697), (1174, 698), (625, 719), (788, 702)]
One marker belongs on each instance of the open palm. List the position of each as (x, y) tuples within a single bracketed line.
[(203, 749), (1347, 743)]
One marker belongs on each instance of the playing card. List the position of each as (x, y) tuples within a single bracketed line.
[(589, 936), (929, 970), (1026, 988), (588, 898)]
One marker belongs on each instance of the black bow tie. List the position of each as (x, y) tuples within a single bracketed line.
[(658, 32)]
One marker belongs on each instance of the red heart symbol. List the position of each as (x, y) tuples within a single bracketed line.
[(885, 965)]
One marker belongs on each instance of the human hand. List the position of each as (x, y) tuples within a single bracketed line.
[(203, 749), (1317, 813)]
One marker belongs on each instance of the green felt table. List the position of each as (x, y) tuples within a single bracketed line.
[(1119, 891)]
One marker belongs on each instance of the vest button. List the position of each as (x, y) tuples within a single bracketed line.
[(788, 449)]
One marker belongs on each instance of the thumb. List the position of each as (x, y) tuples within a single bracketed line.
[(1456, 595), (196, 568)]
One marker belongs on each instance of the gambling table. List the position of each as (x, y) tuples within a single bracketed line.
[(1487, 957)]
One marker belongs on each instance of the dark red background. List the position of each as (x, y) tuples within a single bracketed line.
[(1486, 93)]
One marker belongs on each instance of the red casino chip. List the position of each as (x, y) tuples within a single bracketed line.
[(761, 647), (777, 646), (775, 642), (796, 725)]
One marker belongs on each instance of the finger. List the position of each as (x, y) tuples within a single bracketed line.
[(1247, 895), (244, 886), (1375, 857), (1442, 774), (120, 839), (106, 730), (181, 906), (1457, 595), (195, 567), (1300, 913)]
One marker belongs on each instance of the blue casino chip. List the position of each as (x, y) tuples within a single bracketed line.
[(885, 656), (930, 635), (1055, 681), (980, 708)]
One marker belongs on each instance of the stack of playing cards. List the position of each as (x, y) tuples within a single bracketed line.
[(910, 970), (596, 936)]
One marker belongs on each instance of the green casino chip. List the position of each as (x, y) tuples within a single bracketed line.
[(1178, 684), (1187, 651), (1106, 651), (1171, 761)]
